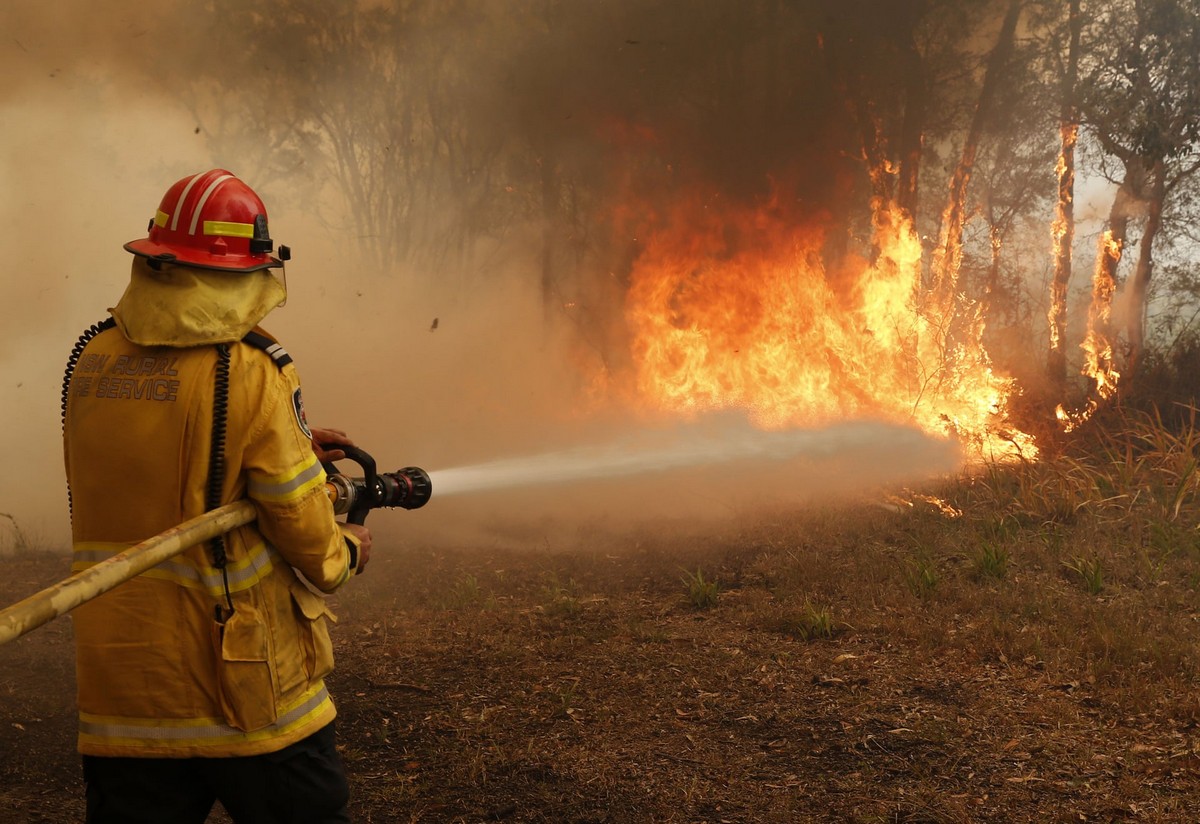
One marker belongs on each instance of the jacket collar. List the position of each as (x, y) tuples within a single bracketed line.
[(182, 306)]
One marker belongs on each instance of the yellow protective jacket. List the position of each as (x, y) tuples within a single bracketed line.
[(157, 674)]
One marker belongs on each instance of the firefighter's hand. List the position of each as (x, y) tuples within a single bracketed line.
[(364, 543), (329, 436)]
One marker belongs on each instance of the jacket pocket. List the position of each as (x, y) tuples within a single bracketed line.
[(313, 617), (244, 678)]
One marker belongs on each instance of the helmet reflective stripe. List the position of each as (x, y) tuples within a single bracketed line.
[(204, 199), (182, 196), (226, 229), (210, 220)]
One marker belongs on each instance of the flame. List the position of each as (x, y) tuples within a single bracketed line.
[(734, 307), (1098, 350), (1097, 346), (1060, 229), (1058, 296)]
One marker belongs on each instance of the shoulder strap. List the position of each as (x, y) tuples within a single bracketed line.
[(271, 347)]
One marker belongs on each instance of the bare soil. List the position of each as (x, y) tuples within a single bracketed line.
[(580, 683)]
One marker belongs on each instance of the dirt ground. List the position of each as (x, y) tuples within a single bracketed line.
[(581, 684)]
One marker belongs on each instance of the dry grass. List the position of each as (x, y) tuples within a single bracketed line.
[(1017, 645)]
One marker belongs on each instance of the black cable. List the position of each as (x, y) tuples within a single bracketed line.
[(216, 465), (72, 362)]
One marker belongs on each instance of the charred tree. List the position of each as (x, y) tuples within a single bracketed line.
[(948, 256), (1098, 346), (1143, 104), (1139, 284), (912, 128), (888, 110), (1063, 228), (550, 231)]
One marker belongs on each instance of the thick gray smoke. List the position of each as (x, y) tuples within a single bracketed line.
[(425, 356)]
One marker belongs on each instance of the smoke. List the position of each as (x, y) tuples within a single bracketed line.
[(85, 154), (439, 362)]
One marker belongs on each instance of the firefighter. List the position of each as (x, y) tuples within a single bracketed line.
[(202, 679)]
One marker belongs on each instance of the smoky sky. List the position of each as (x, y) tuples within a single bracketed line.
[(436, 363), (727, 95)]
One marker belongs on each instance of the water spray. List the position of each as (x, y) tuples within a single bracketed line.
[(411, 488), (691, 449)]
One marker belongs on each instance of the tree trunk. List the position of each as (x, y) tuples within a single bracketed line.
[(948, 256), (1098, 347), (912, 130), (995, 241), (1063, 228), (1118, 222), (550, 222), (1139, 285)]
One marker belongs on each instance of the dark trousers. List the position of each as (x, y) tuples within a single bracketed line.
[(301, 784)]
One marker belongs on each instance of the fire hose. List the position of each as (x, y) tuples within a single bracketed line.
[(354, 497)]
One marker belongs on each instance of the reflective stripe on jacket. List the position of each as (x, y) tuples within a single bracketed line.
[(157, 675)]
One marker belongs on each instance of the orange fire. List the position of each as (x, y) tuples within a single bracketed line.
[(1061, 230), (1097, 345), (736, 308), (1098, 350)]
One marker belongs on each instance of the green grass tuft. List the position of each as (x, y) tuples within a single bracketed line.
[(701, 593)]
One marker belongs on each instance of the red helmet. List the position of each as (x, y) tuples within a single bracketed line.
[(210, 220)]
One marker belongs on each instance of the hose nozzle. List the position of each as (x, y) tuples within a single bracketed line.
[(407, 488)]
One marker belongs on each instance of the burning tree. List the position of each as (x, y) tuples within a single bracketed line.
[(768, 308), (1063, 226), (1142, 106), (757, 183)]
